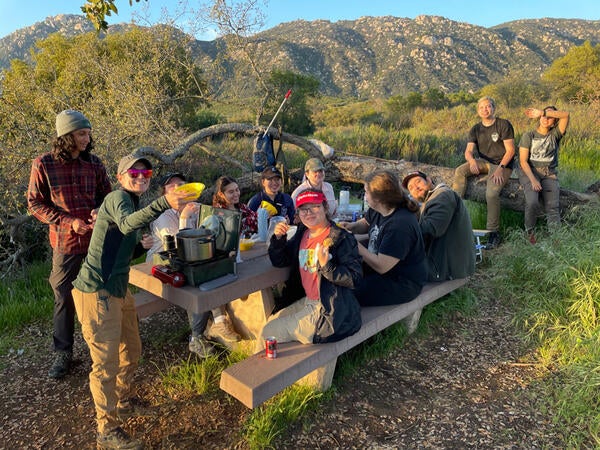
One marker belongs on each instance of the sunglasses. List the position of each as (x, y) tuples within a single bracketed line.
[(135, 173)]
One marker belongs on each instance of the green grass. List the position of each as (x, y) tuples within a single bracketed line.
[(24, 298), (555, 289)]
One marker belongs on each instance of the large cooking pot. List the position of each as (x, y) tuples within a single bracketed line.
[(195, 245)]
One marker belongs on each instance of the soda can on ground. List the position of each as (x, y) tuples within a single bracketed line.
[(271, 347)]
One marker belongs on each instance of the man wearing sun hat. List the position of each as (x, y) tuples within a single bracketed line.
[(271, 181), (66, 186), (314, 178), (446, 228), (105, 307)]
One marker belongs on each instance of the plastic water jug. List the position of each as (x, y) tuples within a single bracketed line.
[(263, 223), (344, 198)]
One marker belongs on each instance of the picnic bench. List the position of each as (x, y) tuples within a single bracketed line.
[(256, 379), (249, 299)]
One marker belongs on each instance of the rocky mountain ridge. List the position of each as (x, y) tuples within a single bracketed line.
[(380, 56)]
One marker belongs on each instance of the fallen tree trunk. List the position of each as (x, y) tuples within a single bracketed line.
[(353, 169)]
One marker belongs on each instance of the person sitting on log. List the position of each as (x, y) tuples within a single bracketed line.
[(538, 160), (494, 141), (446, 227)]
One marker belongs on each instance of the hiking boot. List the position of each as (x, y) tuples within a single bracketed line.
[(494, 240), (117, 439), (61, 365), (132, 407), (201, 347), (223, 333)]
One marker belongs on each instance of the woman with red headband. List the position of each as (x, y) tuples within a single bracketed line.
[(325, 269)]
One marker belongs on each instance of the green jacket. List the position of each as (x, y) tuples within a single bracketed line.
[(448, 235), (114, 240)]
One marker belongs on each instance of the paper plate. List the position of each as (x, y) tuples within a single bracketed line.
[(192, 189)]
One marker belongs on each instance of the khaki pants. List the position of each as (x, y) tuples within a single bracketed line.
[(492, 190), (296, 322), (110, 327)]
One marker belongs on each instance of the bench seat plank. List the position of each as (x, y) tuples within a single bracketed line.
[(256, 379)]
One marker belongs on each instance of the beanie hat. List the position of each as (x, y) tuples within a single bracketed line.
[(70, 120)]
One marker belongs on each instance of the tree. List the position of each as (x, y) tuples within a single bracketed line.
[(97, 10), (577, 74), (296, 116)]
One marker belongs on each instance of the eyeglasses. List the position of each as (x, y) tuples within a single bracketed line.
[(303, 210), (135, 173)]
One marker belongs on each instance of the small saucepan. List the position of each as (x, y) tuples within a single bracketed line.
[(195, 245)]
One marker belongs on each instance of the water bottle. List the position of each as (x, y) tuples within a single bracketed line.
[(263, 223), (344, 198)]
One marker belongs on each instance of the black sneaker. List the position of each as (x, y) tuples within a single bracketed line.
[(117, 439), (494, 240), (61, 365)]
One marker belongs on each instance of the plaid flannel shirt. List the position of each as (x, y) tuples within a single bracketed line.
[(60, 192)]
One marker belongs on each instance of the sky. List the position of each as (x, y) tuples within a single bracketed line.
[(15, 14)]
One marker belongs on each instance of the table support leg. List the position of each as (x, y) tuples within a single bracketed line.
[(321, 378)]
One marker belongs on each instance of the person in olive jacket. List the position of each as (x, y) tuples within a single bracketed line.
[(446, 228), (325, 269)]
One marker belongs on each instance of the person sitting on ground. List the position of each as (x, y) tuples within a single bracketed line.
[(325, 268), (314, 178), (494, 140), (169, 223), (105, 307), (446, 228), (272, 181), (538, 158), (394, 260)]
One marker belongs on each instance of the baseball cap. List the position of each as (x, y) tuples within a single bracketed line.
[(270, 172), (168, 177), (314, 164), (309, 197), (407, 178), (128, 161)]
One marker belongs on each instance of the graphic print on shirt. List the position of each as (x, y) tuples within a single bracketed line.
[(542, 149), (373, 235), (308, 260)]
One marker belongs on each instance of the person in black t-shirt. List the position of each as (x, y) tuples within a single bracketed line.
[(394, 258), (490, 149)]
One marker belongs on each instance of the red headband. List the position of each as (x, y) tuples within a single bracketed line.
[(309, 197)]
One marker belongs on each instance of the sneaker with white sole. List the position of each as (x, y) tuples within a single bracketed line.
[(201, 347), (223, 333), (117, 439)]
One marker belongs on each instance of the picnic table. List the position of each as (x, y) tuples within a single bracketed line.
[(249, 298)]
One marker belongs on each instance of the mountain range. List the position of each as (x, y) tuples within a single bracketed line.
[(379, 56)]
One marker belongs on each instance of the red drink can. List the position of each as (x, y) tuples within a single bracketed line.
[(271, 347)]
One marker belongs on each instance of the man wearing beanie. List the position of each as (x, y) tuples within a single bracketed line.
[(66, 187)]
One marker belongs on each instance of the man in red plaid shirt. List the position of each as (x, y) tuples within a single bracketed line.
[(66, 187)]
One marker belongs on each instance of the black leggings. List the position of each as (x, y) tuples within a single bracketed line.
[(378, 290)]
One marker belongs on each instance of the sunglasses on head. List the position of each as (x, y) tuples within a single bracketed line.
[(135, 173)]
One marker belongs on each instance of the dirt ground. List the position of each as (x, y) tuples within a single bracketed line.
[(468, 385)]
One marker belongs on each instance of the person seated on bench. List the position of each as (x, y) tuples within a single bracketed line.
[(395, 269), (169, 223), (325, 269), (446, 228)]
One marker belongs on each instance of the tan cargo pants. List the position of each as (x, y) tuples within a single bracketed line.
[(492, 190), (110, 327)]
